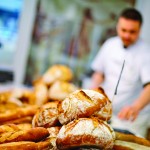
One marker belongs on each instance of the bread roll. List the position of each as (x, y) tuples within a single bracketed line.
[(57, 72), (86, 132), (85, 103), (47, 116), (60, 90)]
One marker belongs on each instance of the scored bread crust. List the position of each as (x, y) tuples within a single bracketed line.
[(89, 132), (85, 103), (26, 145)]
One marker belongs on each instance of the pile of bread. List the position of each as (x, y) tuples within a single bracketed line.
[(57, 115)]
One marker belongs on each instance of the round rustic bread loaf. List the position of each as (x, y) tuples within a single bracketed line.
[(86, 132), (57, 72), (85, 103), (59, 90), (47, 116)]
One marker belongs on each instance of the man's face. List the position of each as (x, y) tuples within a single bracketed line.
[(128, 30)]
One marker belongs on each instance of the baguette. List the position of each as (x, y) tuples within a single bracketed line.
[(26, 145), (18, 113), (124, 145), (33, 134)]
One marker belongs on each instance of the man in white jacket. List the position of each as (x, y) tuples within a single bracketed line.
[(131, 107)]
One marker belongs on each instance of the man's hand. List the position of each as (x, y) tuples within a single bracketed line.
[(129, 113)]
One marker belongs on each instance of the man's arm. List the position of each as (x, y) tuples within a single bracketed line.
[(97, 79), (131, 112)]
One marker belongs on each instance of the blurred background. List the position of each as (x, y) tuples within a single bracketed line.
[(36, 34)]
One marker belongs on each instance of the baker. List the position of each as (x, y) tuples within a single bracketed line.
[(131, 107)]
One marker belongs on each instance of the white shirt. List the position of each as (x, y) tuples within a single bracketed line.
[(135, 74)]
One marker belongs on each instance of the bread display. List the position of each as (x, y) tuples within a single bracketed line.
[(85, 103), (57, 72), (56, 115), (86, 132), (47, 116)]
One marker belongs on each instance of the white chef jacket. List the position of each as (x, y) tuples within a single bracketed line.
[(135, 75)]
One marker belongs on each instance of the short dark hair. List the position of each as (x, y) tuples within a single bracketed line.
[(132, 13)]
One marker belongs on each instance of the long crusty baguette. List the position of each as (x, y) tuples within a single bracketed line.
[(19, 112), (33, 134), (27, 119), (124, 145), (132, 138), (130, 142), (26, 145)]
